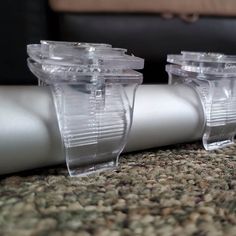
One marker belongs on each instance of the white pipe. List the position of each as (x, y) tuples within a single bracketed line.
[(30, 138), (165, 115)]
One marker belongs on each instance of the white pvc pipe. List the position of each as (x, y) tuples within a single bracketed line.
[(30, 138), (165, 115)]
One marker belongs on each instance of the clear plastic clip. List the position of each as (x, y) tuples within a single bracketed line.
[(90, 84), (213, 76)]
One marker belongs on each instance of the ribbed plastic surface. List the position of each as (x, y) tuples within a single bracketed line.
[(213, 76), (89, 84)]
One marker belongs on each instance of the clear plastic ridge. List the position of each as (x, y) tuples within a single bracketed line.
[(213, 76), (89, 83)]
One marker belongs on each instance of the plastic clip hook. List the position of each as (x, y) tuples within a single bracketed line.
[(213, 76), (89, 83)]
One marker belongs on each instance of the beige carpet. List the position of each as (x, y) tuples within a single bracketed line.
[(179, 190)]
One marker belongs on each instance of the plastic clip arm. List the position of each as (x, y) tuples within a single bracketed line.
[(89, 83), (213, 76)]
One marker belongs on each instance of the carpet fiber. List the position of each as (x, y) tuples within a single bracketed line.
[(179, 190)]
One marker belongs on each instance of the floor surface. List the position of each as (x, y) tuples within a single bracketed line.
[(179, 190)]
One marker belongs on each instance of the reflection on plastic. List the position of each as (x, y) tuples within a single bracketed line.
[(89, 83), (213, 76)]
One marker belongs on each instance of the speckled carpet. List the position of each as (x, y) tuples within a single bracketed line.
[(179, 190)]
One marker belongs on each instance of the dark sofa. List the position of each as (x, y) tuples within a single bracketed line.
[(151, 34)]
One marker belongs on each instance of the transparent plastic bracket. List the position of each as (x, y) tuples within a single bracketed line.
[(89, 83), (213, 76)]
